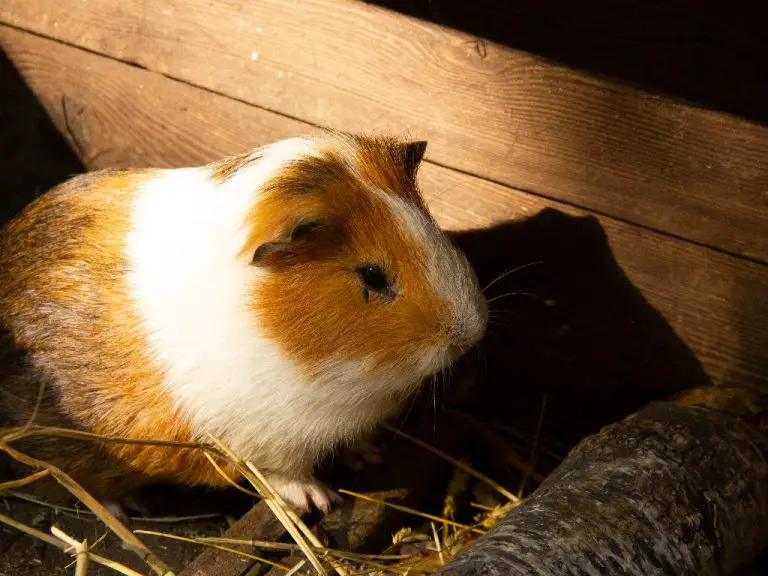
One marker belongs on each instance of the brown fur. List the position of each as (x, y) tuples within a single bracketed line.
[(335, 320), (391, 165), (69, 326)]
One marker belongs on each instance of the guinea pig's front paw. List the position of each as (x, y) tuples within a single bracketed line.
[(117, 510), (132, 502), (303, 495)]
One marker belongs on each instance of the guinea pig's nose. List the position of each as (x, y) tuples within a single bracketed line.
[(468, 325), (473, 328), (466, 336), (483, 313)]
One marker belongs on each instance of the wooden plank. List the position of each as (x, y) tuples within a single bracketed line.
[(494, 112), (708, 53), (257, 524), (124, 115)]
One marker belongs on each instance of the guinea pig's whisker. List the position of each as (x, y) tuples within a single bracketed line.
[(516, 293), (497, 314), (407, 412), (503, 317), (508, 272), (433, 397)]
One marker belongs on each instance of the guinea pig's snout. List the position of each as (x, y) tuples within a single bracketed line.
[(469, 329)]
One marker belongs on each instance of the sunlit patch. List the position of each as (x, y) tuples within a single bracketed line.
[(340, 315)]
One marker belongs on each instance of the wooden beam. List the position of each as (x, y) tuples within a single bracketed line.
[(123, 115), (678, 488), (496, 112)]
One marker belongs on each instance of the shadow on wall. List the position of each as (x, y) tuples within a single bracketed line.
[(574, 329), (711, 53), (571, 326), (34, 157)]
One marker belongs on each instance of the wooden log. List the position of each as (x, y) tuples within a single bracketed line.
[(681, 488)]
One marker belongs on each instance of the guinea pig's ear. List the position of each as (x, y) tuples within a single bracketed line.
[(286, 245), (412, 154)]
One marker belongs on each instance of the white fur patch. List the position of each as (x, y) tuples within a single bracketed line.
[(191, 290)]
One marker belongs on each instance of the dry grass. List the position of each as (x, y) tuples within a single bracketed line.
[(413, 553), (66, 546)]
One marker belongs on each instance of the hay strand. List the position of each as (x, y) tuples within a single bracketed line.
[(275, 503), (229, 480), (458, 463), (411, 511), (23, 481), (130, 540), (79, 549), (79, 513), (534, 446), (296, 568), (65, 547), (202, 542), (438, 546), (288, 547), (10, 435)]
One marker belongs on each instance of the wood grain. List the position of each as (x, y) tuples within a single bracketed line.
[(496, 112), (123, 115), (257, 524)]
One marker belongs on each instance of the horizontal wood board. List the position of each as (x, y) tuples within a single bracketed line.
[(487, 110), (118, 115)]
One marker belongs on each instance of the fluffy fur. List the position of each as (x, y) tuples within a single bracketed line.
[(226, 298)]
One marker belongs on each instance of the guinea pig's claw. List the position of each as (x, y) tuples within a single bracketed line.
[(304, 495)]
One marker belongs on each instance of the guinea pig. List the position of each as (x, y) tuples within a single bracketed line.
[(286, 300)]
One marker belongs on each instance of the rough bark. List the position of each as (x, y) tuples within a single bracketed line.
[(679, 488)]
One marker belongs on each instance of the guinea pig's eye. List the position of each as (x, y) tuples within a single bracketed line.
[(374, 278)]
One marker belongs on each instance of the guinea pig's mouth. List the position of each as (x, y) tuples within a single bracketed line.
[(452, 353), (466, 332), (456, 351)]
